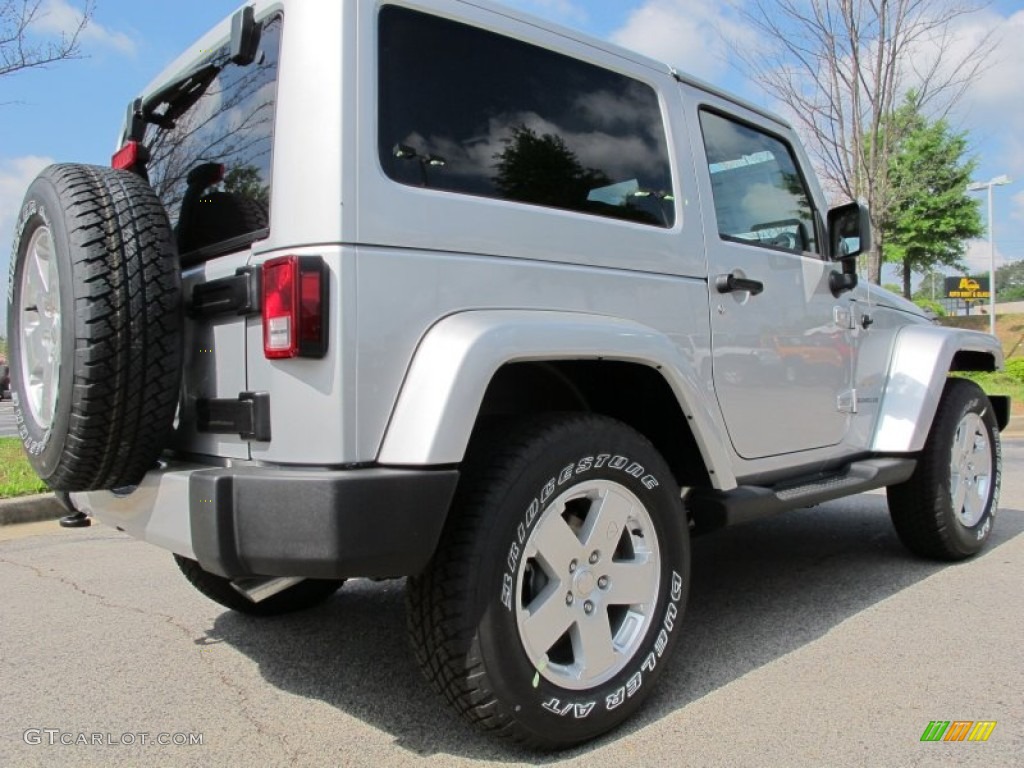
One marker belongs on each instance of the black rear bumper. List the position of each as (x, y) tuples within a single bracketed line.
[(257, 521)]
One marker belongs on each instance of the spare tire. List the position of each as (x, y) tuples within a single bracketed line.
[(95, 326)]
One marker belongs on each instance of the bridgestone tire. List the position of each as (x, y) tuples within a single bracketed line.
[(570, 522), (946, 510), (96, 327), (306, 594)]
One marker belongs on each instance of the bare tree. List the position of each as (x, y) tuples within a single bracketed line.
[(842, 68), (24, 46)]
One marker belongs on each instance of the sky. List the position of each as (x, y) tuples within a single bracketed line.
[(71, 111)]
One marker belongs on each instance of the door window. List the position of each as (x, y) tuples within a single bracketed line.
[(760, 197)]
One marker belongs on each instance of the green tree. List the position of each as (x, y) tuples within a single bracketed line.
[(245, 180), (931, 306), (931, 215), (932, 287), (544, 171), (840, 67), (1010, 282)]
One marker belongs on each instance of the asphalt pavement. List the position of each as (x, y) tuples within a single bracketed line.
[(811, 639)]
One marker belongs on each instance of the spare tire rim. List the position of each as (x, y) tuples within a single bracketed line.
[(971, 463), (587, 585), (40, 327)]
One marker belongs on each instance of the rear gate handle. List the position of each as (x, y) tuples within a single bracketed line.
[(732, 283)]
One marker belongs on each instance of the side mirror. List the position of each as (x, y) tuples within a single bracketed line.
[(849, 235), (849, 231), (245, 37)]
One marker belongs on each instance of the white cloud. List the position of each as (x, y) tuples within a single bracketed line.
[(60, 17), (1018, 206), (999, 86), (977, 256), (694, 35), (992, 108), (15, 176)]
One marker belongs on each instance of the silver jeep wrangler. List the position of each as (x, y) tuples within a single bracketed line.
[(432, 289)]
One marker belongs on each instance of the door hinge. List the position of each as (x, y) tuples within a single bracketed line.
[(237, 294), (843, 317), (847, 402)]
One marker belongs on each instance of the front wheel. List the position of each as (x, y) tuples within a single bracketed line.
[(556, 593), (946, 509)]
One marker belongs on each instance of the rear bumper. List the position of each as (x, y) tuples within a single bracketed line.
[(259, 521)]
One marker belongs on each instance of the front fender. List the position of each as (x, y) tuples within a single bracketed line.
[(922, 358), (457, 358)]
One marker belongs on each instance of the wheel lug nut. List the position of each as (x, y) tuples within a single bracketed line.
[(572, 566), (603, 582), (588, 607), (569, 599), (594, 557)]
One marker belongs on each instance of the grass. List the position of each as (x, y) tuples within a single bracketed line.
[(1010, 331), (16, 476), (1000, 383)]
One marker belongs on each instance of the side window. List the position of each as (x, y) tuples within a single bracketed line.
[(469, 111), (760, 196), (210, 143)]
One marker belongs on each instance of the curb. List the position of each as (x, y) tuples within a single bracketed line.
[(31, 509)]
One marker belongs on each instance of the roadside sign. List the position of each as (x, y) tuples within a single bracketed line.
[(968, 288)]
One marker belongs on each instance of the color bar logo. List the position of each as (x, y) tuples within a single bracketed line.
[(958, 730)]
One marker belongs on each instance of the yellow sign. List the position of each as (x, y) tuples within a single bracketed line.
[(967, 288)]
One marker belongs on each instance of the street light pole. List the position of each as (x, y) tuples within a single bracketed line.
[(977, 186)]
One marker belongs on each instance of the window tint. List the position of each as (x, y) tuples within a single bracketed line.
[(229, 124), (464, 110), (760, 197)]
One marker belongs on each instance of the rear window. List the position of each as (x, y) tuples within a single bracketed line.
[(469, 111), (210, 151)]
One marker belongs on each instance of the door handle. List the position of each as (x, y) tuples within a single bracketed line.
[(731, 283)]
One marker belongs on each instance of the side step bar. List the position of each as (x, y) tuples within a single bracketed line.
[(713, 509)]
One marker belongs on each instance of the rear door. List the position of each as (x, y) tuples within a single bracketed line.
[(209, 137), (781, 349)]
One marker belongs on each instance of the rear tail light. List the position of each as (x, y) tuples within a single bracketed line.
[(295, 304), (126, 158)]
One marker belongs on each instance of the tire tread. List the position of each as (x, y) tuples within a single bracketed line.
[(126, 356), (441, 632)]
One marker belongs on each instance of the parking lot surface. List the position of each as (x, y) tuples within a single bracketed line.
[(810, 639)]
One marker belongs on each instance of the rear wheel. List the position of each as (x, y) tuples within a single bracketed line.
[(95, 322), (946, 509), (556, 593), (305, 594)]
